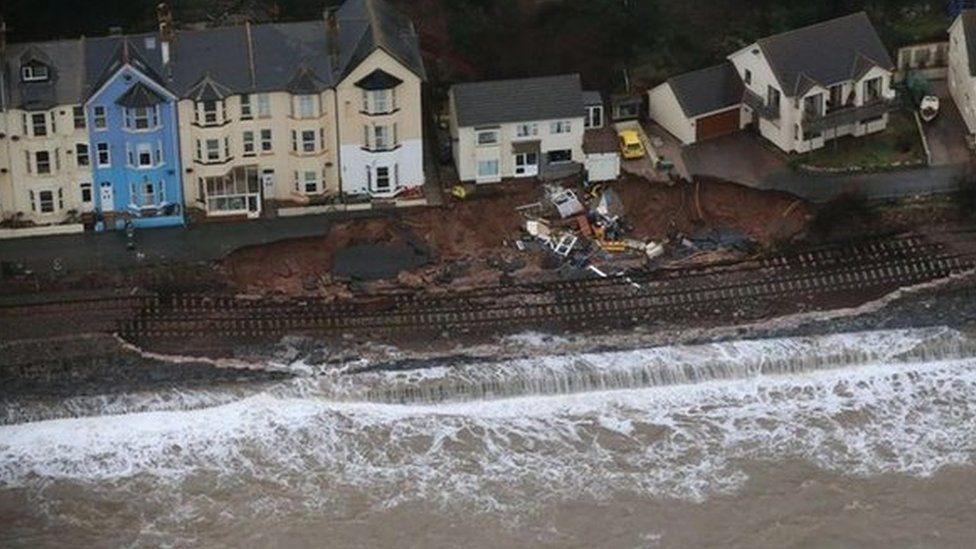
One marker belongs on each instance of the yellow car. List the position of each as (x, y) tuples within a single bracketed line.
[(630, 145)]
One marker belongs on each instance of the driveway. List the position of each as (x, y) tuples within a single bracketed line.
[(744, 158), (946, 134), (740, 157)]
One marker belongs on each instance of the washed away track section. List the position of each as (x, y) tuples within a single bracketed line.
[(812, 278), (816, 278)]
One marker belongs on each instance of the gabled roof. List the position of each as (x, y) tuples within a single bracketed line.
[(304, 82), (378, 80), (368, 25), (207, 89), (518, 100), (968, 19), (106, 55), (139, 95), (592, 98), (825, 53), (241, 59), (707, 90)]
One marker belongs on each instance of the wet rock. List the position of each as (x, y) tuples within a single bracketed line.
[(410, 280)]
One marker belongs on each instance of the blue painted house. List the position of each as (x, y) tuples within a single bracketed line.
[(134, 137)]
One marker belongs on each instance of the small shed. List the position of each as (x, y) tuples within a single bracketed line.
[(602, 156)]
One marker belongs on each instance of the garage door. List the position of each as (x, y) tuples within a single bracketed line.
[(716, 125), (602, 167)]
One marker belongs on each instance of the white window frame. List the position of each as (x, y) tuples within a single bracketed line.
[(49, 167), (379, 101), (308, 144), (527, 129), (592, 117), (144, 151), (559, 127), (78, 118), (81, 194), (247, 143), (34, 73), (264, 105), (267, 141), (211, 150), (488, 137), (40, 202), (488, 175), (306, 106), (100, 118), (101, 148), (82, 152), (310, 182), (246, 111), (35, 125)]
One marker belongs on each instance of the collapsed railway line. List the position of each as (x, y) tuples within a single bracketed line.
[(812, 277)]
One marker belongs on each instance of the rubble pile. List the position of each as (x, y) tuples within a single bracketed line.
[(523, 232)]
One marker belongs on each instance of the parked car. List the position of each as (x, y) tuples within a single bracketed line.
[(630, 144)]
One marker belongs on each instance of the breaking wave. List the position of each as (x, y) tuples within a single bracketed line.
[(667, 422)]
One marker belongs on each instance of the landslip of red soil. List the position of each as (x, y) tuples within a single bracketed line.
[(486, 224), (656, 211)]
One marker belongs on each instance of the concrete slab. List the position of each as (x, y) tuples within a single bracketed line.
[(741, 157)]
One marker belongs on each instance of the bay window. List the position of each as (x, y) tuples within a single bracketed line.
[(379, 101)]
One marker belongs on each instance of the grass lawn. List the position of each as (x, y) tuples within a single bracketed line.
[(898, 144)]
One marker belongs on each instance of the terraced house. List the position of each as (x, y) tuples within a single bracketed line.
[(798, 89), (220, 121), (300, 113), (45, 157)]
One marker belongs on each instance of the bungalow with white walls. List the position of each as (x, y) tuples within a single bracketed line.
[(528, 127), (799, 89)]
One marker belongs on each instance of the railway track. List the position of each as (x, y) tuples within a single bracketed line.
[(851, 271), (803, 277)]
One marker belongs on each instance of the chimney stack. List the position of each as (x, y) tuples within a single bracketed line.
[(332, 23), (165, 18)]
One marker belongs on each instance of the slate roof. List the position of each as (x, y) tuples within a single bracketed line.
[(518, 100), (378, 80), (969, 32), (292, 57), (592, 98), (826, 53), (64, 84), (707, 90), (139, 95)]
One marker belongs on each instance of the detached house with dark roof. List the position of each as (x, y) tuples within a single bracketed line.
[(524, 127), (798, 89), (962, 66)]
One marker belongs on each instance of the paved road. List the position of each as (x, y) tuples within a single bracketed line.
[(92, 251)]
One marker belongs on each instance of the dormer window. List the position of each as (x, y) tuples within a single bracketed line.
[(34, 72)]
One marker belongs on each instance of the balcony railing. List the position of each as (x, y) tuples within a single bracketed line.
[(844, 116), (758, 104)]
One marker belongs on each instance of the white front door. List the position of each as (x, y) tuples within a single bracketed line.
[(526, 164), (107, 198)]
